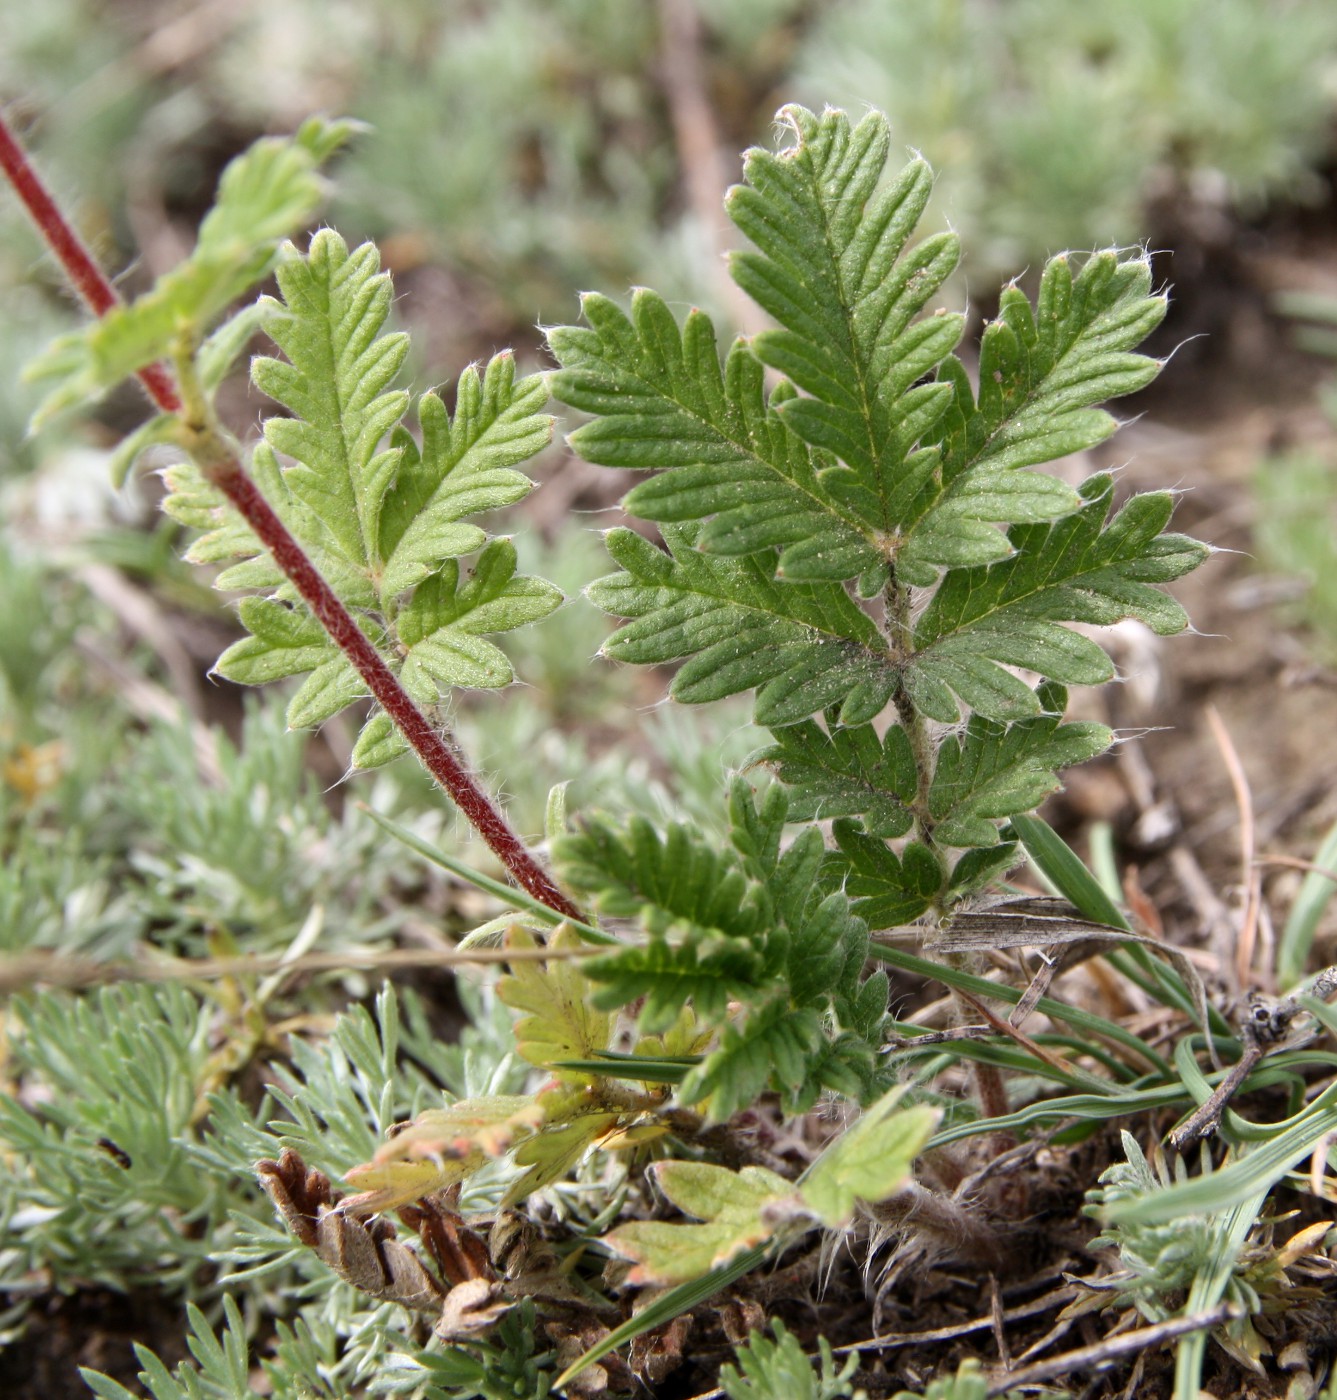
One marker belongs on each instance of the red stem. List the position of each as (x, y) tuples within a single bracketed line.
[(228, 474), (88, 278)]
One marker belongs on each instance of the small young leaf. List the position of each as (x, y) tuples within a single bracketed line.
[(736, 1209), (887, 890), (266, 194), (870, 1161), (560, 1023)]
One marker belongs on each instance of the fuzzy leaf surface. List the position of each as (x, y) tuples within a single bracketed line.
[(832, 267), (846, 772), (733, 1207), (704, 917), (335, 382), (998, 770), (870, 1161), (1043, 372), (466, 466), (1080, 569), (803, 647), (885, 889), (661, 399), (264, 195)]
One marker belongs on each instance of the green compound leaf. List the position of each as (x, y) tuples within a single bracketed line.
[(804, 647), (1079, 569), (1042, 371), (869, 1162), (831, 266), (886, 889), (846, 772), (756, 925), (736, 1208), (443, 625), (558, 1021), (703, 969), (660, 399), (335, 384), (266, 194), (994, 770), (465, 467), (777, 1047), (705, 918), (377, 514)]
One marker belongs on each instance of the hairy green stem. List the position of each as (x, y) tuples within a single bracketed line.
[(898, 599), (220, 461)]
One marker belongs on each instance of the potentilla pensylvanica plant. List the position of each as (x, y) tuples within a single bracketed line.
[(850, 528)]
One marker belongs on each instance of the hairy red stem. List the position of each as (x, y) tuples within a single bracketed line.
[(87, 277), (227, 473), (426, 742)]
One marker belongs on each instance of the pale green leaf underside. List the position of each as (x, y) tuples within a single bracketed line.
[(440, 632), (335, 384), (734, 1207), (870, 1162), (265, 194), (384, 520)]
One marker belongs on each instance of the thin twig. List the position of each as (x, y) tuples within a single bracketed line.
[(1239, 782), (1006, 1028), (1130, 1342), (1295, 863), (21, 971)]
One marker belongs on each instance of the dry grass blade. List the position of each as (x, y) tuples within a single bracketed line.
[(27, 970), (1239, 782)]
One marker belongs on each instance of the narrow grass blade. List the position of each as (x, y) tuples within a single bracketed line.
[(1071, 878), (1255, 1171), (1297, 938), (671, 1304), (508, 894), (647, 1071), (1079, 1020)]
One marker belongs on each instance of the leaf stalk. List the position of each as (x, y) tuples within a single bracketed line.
[(220, 461)]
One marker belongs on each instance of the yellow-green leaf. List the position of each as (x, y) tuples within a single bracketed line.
[(561, 1023), (739, 1210), (870, 1162)]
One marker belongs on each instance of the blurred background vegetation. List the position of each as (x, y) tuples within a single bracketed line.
[(516, 152)]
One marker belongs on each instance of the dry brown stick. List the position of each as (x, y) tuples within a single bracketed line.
[(888, 1340), (1239, 782), (1129, 1343), (704, 172), (1295, 863), (1005, 1028)]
